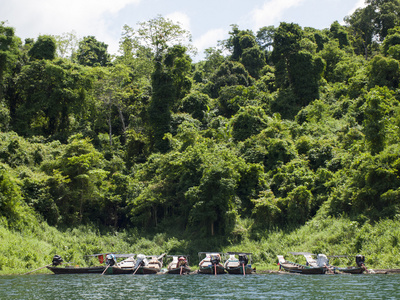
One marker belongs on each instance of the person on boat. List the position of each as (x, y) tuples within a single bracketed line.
[(110, 259), (182, 262)]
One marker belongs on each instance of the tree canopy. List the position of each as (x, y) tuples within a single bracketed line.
[(270, 129)]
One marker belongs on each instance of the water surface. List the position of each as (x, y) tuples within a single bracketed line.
[(269, 286)]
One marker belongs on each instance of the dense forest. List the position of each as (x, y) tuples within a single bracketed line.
[(284, 138)]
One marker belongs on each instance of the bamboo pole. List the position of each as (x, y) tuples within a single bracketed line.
[(105, 270), (37, 269), (136, 270)]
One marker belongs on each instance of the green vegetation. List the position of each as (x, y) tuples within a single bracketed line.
[(290, 142)]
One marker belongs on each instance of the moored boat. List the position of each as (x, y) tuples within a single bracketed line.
[(109, 259), (311, 266), (178, 265), (238, 263), (211, 263), (359, 269), (321, 265), (143, 264)]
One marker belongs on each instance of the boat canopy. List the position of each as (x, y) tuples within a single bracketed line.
[(115, 254)]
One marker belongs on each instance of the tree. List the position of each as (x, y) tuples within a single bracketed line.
[(159, 34), (247, 122), (332, 55), (170, 83), (196, 104), (245, 49), (384, 71), (296, 70), (374, 21), (386, 16), (265, 37), (391, 44), (229, 73), (362, 27), (8, 52), (10, 196), (213, 59), (81, 181), (112, 89), (340, 33), (67, 44), (179, 64), (50, 93), (92, 53), (375, 122), (44, 48)]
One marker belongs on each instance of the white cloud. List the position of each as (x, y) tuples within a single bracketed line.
[(86, 17), (207, 40), (272, 11), (181, 18), (359, 4)]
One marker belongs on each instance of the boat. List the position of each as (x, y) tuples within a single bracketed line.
[(123, 267), (312, 266), (359, 269), (321, 265), (58, 267), (238, 263), (143, 264), (211, 263), (178, 265)]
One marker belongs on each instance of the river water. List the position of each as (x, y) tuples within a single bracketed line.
[(268, 286)]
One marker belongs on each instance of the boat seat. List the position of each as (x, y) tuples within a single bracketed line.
[(281, 259), (311, 261), (127, 263), (232, 263), (154, 264)]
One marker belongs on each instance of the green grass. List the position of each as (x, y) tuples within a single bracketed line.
[(34, 246)]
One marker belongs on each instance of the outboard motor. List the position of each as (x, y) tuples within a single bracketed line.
[(215, 259), (243, 259), (360, 260), (57, 260), (110, 260)]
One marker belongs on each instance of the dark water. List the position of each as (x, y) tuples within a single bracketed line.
[(95, 286)]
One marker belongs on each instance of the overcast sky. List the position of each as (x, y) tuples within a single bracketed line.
[(207, 20)]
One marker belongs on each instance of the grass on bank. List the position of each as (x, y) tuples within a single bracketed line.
[(34, 246)]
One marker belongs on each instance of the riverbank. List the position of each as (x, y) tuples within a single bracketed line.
[(34, 246)]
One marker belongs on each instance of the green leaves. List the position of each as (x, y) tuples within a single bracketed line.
[(92, 53)]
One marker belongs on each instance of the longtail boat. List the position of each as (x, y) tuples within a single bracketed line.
[(211, 263), (238, 263), (143, 264), (108, 259), (358, 269), (178, 265), (311, 266)]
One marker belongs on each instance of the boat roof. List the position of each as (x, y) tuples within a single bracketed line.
[(302, 253), (238, 253), (209, 253), (339, 256), (115, 254), (184, 255)]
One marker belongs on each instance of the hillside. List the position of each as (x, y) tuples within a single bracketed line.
[(286, 139)]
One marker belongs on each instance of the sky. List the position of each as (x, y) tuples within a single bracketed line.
[(209, 21)]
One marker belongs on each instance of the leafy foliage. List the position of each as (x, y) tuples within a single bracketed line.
[(273, 138)]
